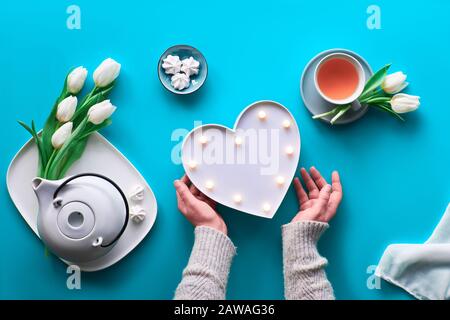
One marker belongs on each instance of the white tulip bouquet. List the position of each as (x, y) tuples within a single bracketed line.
[(382, 91), (63, 139)]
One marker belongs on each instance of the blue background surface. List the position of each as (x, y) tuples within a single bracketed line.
[(395, 175)]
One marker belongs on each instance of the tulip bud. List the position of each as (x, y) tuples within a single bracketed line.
[(394, 83), (61, 135), (75, 80), (100, 112), (66, 109), (402, 103), (106, 73)]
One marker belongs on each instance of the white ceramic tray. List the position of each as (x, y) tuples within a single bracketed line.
[(100, 157), (254, 181)]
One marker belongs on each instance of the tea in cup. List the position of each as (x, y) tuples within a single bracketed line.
[(339, 78)]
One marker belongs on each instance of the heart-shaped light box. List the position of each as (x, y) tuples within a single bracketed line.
[(220, 161)]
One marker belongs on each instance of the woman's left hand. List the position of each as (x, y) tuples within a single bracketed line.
[(322, 200)]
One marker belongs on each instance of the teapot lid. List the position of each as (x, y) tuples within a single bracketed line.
[(86, 211)]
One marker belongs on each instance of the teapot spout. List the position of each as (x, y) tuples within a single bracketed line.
[(36, 183), (44, 189)]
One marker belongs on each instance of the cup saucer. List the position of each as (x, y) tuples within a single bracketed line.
[(313, 100)]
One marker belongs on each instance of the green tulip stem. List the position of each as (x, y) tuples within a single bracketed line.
[(49, 163), (51, 174), (342, 110), (377, 100), (337, 112), (329, 113)]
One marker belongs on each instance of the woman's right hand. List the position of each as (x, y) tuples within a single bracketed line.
[(322, 200)]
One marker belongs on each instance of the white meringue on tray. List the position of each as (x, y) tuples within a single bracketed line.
[(190, 66), (172, 64), (180, 81)]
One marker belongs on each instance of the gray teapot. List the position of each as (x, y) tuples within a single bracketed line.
[(80, 217)]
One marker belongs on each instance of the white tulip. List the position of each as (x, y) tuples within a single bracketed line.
[(61, 135), (75, 80), (66, 109), (394, 83), (106, 72), (100, 112), (402, 103)]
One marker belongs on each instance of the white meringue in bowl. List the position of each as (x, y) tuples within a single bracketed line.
[(172, 64), (190, 66), (182, 69), (180, 81)]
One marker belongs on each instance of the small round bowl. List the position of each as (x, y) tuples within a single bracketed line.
[(196, 81)]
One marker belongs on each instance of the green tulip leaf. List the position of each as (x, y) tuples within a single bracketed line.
[(387, 108), (94, 128), (38, 142), (74, 153), (26, 127), (375, 81)]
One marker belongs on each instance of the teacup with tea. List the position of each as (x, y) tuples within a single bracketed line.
[(339, 78)]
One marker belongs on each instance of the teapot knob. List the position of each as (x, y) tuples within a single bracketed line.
[(98, 242), (57, 202)]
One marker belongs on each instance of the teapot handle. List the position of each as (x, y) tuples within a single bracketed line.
[(127, 210)]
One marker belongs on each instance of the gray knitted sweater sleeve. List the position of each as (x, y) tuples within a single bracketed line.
[(206, 274), (304, 274)]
